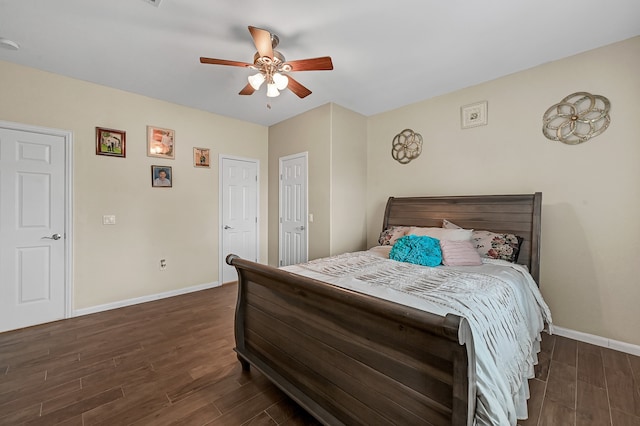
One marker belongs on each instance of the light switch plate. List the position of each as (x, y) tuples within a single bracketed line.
[(109, 219)]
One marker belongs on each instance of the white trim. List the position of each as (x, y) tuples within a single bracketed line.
[(221, 157), (143, 299), (67, 135), (597, 340), (281, 160)]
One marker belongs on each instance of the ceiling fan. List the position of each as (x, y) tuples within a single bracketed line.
[(271, 66)]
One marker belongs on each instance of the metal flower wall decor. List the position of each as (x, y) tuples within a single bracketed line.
[(577, 118), (406, 146)]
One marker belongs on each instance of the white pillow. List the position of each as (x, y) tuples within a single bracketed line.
[(442, 234)]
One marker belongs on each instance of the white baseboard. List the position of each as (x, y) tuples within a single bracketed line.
[(143, 299), (597, 340)]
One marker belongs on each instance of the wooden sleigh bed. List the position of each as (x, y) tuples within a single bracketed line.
[(349, 358)]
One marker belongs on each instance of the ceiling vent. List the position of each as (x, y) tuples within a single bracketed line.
[(156, 3)]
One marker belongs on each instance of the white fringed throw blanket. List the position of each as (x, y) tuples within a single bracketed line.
[(501, 302)]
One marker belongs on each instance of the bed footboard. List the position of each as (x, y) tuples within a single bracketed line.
[(349, 358)]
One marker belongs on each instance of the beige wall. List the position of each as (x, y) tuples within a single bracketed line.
[(335, 140), (348, 180), (114, 263), (591, 192), (308, 132)]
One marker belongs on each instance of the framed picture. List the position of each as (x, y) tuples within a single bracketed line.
[(161, 142), (161, 177), (110, 142), (201, 157), (474, 115)]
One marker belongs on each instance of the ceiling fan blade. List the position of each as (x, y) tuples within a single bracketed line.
[(262, 40), (313, 64), (224, 62), (247, 90), (297, 88)]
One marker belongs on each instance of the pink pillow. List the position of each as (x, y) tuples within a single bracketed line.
[(459, 253)]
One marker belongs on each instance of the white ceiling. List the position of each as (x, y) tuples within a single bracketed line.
[(385, 54)]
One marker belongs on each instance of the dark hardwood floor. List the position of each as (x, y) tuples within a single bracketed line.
[(171, 362)]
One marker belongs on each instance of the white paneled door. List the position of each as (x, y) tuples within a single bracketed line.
[(293, 209), (33, 206), (239, 212)]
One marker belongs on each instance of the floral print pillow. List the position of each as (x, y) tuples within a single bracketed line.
[(389, 236), (497, 246)]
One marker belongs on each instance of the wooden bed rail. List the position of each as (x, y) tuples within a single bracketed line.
[(349, 358)]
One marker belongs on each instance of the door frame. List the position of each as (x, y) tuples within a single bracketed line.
[(67, 137), (221, 158), (304, 155)]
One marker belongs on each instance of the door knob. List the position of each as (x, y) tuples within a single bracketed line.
[(53, 237), (300, 228), (227, 227)]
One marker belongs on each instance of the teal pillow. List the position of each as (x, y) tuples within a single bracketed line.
[(423, 251)]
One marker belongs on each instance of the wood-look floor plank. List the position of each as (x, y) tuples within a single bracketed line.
[(623, 391), (561, 385), (248, 409), (614, 360), (556, 414), (182, 411), (202, 416), (565, 350), (13, 382), (66, 408), (125, 410), (29, 396), (634, 361), (591, 367), (17, 415), (262, 419), (618, 418), (592, 408)]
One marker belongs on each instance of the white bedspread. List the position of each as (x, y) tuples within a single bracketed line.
[(500, 300)]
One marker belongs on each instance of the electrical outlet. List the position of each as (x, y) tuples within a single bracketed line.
[(163, 264)]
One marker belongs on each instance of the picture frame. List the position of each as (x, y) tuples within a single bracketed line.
[(161, 177), (473, 115), (201, 157), (111, 142), (161, 142)]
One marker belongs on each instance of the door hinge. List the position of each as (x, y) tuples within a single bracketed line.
[(256, 219), (281, 263), (280, 176), (280, 220)]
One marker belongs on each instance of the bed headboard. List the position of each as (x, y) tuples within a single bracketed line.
[(516, 214)]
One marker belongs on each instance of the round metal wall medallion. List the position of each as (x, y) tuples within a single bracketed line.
[(406, 146), (577, 118)]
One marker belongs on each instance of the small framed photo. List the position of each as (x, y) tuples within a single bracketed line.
[(474, 115), (161, 142), (161, 177), (111, 142), (201, 157)]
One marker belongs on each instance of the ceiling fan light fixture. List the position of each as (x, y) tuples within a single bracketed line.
[(281, 81), (256, 80), (272, 90)]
